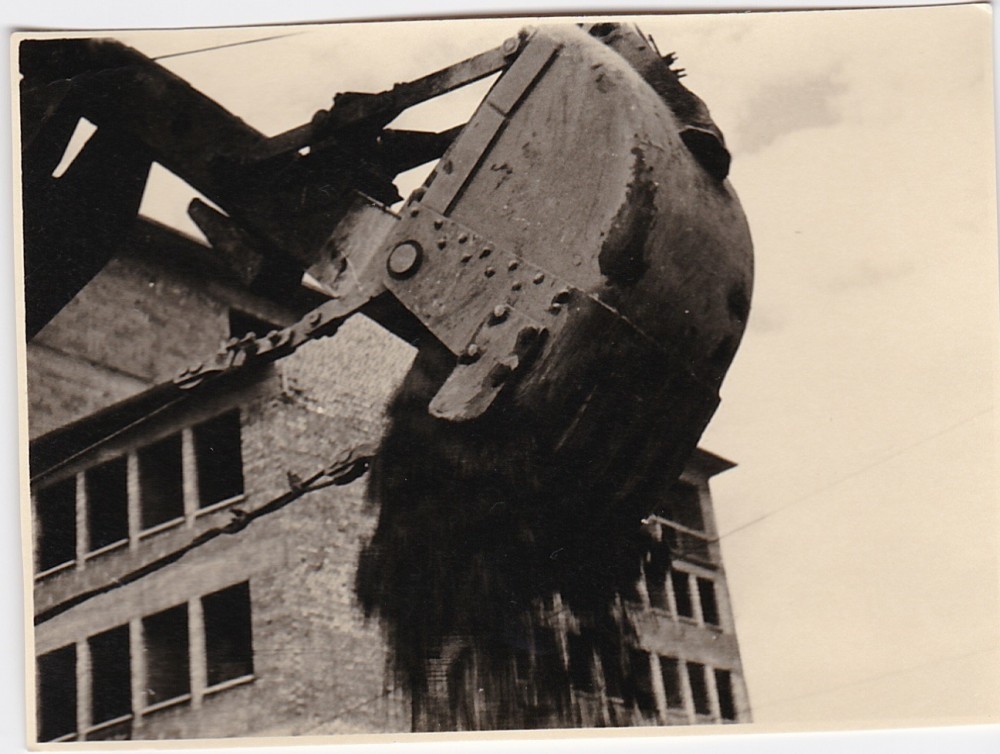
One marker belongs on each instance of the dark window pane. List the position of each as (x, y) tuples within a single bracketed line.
[(228, 634), (107, 503), (683, 506), (709, 606), (57, 693), (656, 567), (611, 663), (724, 683), (642, 683), (549, 668), (165, 640), (162, 491), (581, 662), (682, 594), (111, 674), (220, 462), (670, 670), (56, 517), (241, 323), (699, 688)]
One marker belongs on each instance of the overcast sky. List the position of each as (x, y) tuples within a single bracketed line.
[(862, 556)]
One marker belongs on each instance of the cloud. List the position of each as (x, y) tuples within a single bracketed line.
[(782, 107)]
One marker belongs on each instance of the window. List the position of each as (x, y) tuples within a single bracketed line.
[(547, 656), (699, 688), (684, 526), (682, 594), (241, 323), (56, 519), (220, 462), (671, 673), (709, 606), (165, 642), (581, 662), (107, 503), (724, 684), (611, 664), (642, 683), (656, 567), (57, 693), (228, 634), (111, 674), (683, 506), (161, 489)]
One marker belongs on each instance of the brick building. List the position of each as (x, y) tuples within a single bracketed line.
[(188, 582)]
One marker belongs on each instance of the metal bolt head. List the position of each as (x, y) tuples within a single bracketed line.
[(539, 278), (512, 265), (489, 272), (315, 318), (500, 312), (485, 252), (510, 46), (562, 297), (438, 224), (473, 351), (463, 237), (442, 242), (465, 257), (516, 286), (404, 260), (414, 212)]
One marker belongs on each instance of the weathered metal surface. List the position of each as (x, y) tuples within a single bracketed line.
[(638, 226), (282, 203)]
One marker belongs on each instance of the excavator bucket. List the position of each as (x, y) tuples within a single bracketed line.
[(579, 250)]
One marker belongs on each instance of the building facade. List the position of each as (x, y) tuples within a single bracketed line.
[(191, 578)]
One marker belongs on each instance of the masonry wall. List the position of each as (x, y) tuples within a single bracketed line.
[(318, 667)]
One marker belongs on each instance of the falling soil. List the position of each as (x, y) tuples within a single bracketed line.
[(487, 552)]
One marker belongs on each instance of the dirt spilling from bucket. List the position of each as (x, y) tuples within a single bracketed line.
[(497, 575)]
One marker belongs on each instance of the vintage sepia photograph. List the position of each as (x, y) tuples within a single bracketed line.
[(563, 373)]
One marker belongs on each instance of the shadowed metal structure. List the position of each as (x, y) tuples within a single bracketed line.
[(576, 273)]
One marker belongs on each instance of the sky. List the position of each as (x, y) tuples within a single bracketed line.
[(860, 525)]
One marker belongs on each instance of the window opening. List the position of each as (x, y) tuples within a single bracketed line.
[(160, 482), (165, 642), (57, 693), (671, 673), (724, 684), (219, 459), (682, 594), (111, 673), (699, 688), (656, 567), (611, 663), (709, 605), (228, 634), (581, 662), (683, 506), (107, 503), (241, 323), (642, 683), (56, 519)]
